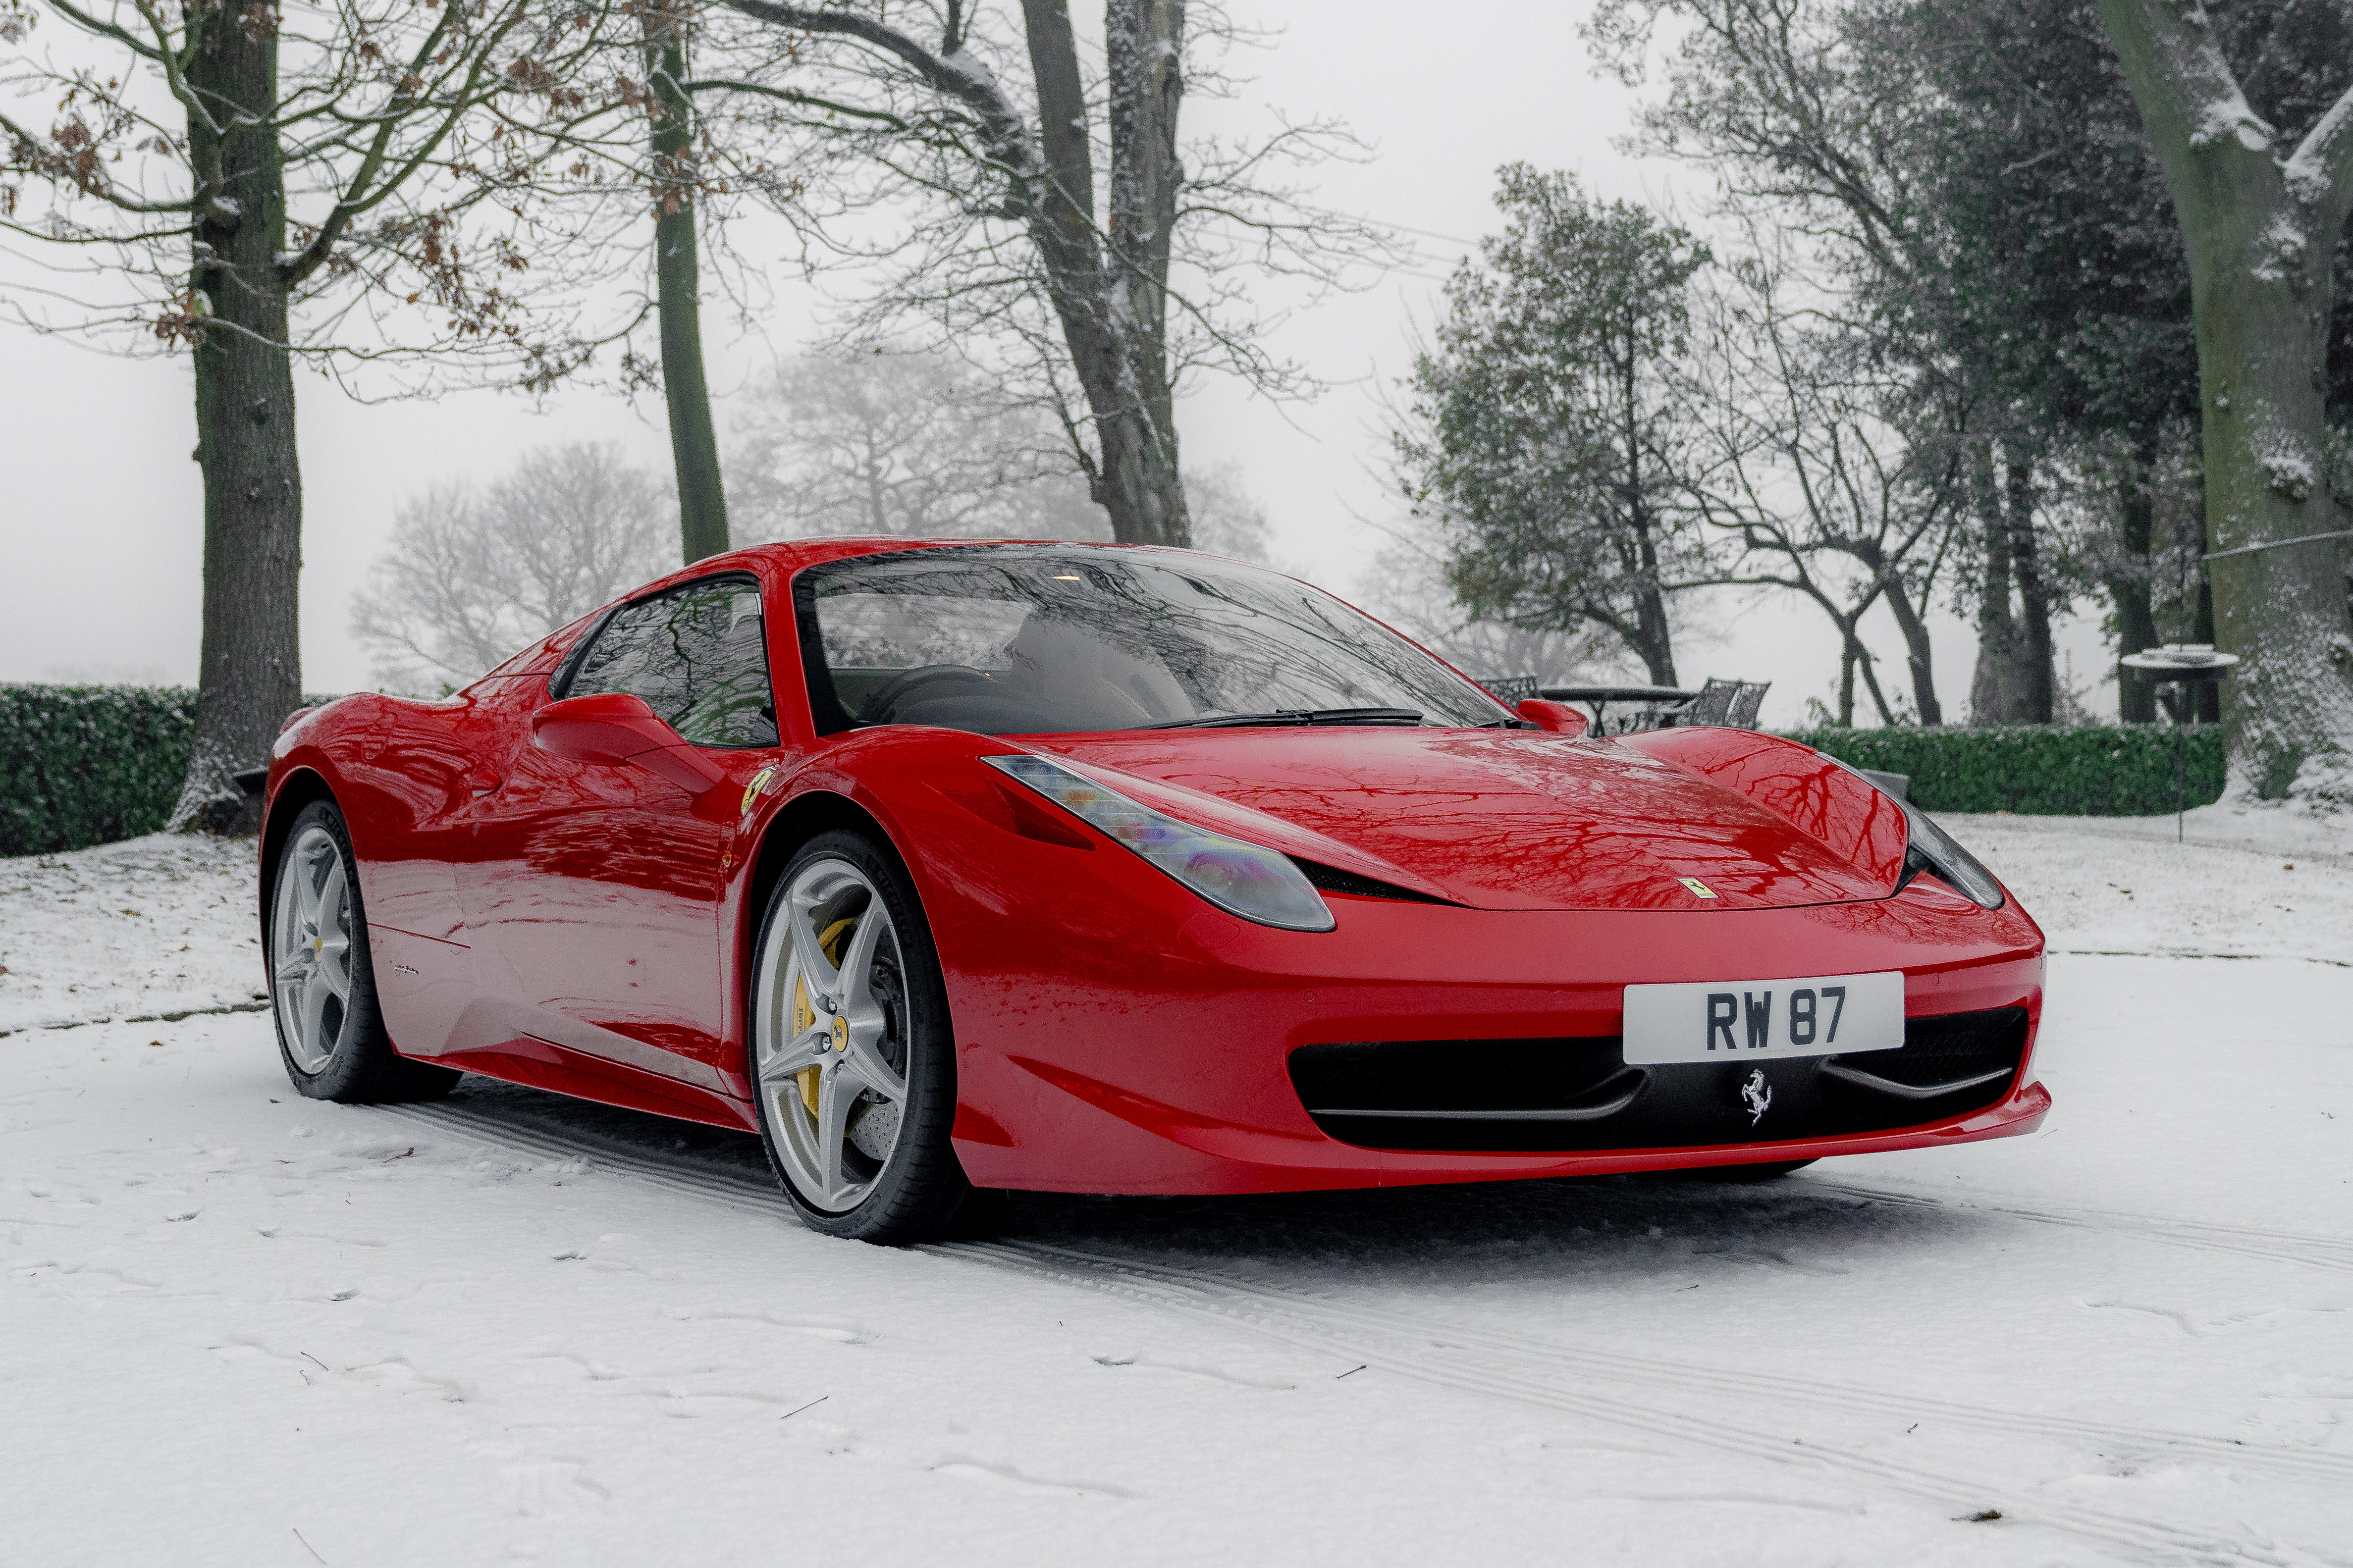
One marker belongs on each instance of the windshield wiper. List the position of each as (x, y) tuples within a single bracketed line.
[(1296, 716)]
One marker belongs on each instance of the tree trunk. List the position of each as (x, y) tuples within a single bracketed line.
[(1993, 688), (1870, 682), (1112, 304), (678, 287), (1653, 636), (2206, 694), (1655, 642), (1144, 47), (1918, 653), (2040, 667), (2260, 233), (2262, 346), (2129, 583), (250, 663)]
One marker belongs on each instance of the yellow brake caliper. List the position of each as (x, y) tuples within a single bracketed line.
[(829, 942)]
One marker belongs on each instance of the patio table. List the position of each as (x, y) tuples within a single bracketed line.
[(1600, 697)]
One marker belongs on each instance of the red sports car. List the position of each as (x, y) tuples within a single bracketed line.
[(956, 867)]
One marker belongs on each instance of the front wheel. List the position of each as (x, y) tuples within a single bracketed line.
[(852, 1058)]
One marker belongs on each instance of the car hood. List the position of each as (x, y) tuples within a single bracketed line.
[(1497, 820)]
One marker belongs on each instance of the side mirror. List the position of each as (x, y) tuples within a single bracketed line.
[(612, 728), (1557, 716)]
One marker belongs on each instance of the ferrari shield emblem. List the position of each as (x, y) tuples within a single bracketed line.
[(1696, 887), (756, 786)]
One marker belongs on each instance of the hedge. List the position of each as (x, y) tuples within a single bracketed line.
[(87, 764), (2097, 771)]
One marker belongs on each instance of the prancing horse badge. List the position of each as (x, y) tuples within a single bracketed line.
[(1756, 1094)]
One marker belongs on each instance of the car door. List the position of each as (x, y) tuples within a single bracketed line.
[(593, 889)]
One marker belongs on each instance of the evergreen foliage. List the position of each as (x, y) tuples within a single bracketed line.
[(1549, 427), (2036, 770), (90, 765)]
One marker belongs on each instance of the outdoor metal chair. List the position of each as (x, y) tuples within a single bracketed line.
[(1743, 715), (1712, 706), (1510, 689)]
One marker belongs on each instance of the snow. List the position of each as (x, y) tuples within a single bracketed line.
[(2313, 170), (245, 1328), (2227, 114), (155, 925)]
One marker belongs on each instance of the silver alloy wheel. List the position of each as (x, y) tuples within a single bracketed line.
[(831, 1034), (311, 949)]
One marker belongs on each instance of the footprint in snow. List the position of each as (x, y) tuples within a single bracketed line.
[(1190, 1370), (1007, 1477), (551, 1488)]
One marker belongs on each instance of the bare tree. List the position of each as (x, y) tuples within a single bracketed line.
[(921, 446), (647, 136), (914, 444), (1097, 296), (471, 577), (1844, 482), (268, 182), (1226, 519), (1405, 586), (2262, 213), (1795, 121)]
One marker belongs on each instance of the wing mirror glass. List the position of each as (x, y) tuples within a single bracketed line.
[(1557, 716), (612, 728)]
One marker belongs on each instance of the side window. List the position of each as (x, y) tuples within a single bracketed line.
[(698, 655)]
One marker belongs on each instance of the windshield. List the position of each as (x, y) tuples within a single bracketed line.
[(1028, 639)]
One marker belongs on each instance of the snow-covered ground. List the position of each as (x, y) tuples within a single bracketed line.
[(243, 1327)]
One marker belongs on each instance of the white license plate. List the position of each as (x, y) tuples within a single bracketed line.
[(1750, 1020)]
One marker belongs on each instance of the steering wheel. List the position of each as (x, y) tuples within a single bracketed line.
[(879, 704)]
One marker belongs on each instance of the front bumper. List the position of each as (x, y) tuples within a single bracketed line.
[(1109, 1066)]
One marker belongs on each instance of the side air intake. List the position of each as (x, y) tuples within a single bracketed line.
[(1332, 879)]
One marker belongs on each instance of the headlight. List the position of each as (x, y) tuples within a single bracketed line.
[(1241, 879), (1948, 860), (1933, 849)]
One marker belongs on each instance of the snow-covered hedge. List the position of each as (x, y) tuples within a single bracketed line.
[(2096, 771), (87, 764)]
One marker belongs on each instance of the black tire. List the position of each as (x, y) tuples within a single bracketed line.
[(920, 1193), (363, 1068), (1766, 1172)]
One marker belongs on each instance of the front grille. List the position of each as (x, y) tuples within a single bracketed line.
[(1941, 1051), (1573, 1094)]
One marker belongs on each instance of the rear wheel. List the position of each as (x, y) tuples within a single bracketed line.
[(853, 1061), (330, 1033)]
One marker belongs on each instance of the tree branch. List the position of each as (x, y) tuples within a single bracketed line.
[(2189, 99), (2320, 170)]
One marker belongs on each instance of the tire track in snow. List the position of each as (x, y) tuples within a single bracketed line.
[(1430, 1352), (1550, 1356), (1529, 1371), (2304, 1248)]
